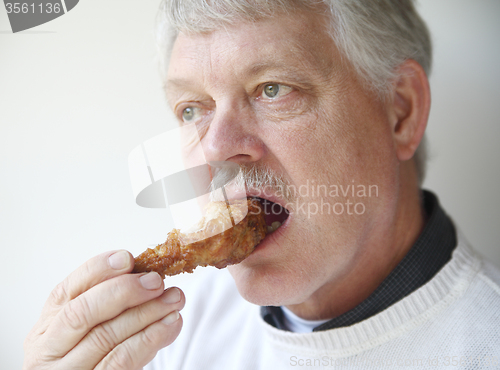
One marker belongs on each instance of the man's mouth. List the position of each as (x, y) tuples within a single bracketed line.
[(275, 214)]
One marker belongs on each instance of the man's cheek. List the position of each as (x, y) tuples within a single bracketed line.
[(298, 117)]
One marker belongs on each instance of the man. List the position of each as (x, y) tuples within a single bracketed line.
[(321, 95)]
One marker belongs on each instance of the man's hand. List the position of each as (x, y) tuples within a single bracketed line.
[(102, 317)]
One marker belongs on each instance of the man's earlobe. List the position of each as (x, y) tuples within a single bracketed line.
[(409, 108)]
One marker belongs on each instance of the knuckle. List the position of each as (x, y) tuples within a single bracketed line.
[(122, 288), (59, 294), (35, 358), (127, 289), (120, 359), (76, 314), (27, 343), (150, 338), (142, 313), (87, 269), (104, 338)]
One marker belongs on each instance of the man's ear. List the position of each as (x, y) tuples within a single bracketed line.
[(409, 108)]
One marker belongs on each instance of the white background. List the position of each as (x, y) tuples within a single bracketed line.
[(78, 93)]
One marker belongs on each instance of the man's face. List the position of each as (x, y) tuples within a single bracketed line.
[(276, 93)]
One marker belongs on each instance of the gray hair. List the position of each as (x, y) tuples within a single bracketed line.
[(375, 36)]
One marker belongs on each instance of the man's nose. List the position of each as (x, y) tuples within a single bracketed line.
[(233, 135)]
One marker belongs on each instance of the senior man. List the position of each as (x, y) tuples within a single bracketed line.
[(328, 94)]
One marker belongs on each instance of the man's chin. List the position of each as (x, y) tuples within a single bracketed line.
[(263, 288)]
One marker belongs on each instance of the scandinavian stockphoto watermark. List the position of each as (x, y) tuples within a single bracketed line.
[(311, 199), (27, 14)]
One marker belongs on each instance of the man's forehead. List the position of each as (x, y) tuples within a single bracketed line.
[(291, 45), (253, 52)]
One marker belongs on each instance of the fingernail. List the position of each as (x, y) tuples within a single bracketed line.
[(172, 295), (151, 281), (119, 260), (171, 318)]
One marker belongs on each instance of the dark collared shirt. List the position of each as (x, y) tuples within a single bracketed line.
[(428, 255)]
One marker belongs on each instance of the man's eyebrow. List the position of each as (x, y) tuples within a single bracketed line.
[(180, 82), (261, 68), (175, 86), (280, 69)]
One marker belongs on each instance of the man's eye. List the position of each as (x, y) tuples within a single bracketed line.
[(273, 91), (191, 114)]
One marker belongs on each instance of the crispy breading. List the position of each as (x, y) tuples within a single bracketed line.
[(183, 252)]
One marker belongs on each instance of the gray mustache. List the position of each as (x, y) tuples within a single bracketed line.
[(247, 177)]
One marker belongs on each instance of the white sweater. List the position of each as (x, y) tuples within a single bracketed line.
[(452, 322)]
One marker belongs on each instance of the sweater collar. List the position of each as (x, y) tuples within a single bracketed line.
[(424, 307)]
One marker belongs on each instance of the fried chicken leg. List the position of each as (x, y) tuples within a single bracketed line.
[(183, 252)]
